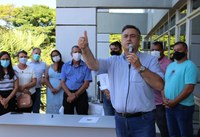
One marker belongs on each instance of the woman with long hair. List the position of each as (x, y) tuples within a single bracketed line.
[(8, 84), (54, 89)]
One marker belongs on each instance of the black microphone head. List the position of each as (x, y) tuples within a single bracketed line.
[(130, 48)]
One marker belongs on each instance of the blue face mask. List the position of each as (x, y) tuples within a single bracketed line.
[(5, 63), (23, 60), (36, 57)]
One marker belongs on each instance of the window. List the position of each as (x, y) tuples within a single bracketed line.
[(172, 21), (183, 12), (195, 4), (182, 33)]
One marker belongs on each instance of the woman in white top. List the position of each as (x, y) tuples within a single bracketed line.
[(27, 78)]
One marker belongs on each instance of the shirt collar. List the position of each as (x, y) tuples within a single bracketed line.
[(71, 63)]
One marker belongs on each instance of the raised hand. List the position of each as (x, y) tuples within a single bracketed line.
[(83, 41)]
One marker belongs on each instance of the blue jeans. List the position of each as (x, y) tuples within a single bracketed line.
[(179, 121), (36, 105), (107, 106), (141, 126)]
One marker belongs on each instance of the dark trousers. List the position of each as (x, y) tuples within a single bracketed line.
[(36, 104), (11, 105), (80, 103), (161, 120)]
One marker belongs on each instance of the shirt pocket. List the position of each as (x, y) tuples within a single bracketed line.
[(136, 77)]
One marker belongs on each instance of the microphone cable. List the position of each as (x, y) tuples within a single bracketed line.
[(129, 79)]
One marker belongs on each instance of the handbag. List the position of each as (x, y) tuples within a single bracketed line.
[(24, 101)]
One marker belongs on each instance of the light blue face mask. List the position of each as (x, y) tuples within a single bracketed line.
[(23, 60), (36, 57), (5, 63)]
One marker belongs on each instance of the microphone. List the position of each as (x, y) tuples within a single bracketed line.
[(130, 48)]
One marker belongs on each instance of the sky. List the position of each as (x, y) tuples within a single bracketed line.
[(19, 3)]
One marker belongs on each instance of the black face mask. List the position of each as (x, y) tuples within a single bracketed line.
[(117, 53), (178, 55)]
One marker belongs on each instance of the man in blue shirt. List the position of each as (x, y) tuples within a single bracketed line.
[(133, 76), (75, 79), (180, 79)]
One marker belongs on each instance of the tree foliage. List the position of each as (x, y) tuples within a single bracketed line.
[(15, 40), (38, 19), (27, 27)]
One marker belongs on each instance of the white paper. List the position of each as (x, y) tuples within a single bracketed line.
[(61, 110), (89, 119)]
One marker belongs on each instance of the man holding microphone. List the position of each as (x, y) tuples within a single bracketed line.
[(133, 76)]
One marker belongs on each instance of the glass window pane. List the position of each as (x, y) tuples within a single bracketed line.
[(195, 26), (172, 42), (161, 30), (196, 4), (172, 21), (182, 32), (166, 26), (183, 12), (195, 41)]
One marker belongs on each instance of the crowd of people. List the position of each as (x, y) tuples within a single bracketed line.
[(140, 89)]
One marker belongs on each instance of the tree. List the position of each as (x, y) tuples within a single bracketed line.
[(27, 27), (6, 13), (38, 19), (15, 40)]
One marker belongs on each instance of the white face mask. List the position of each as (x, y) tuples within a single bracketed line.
[(56, 58), (76, 56), (155, 53), (23, 60)]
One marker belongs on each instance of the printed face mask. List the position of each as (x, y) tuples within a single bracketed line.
[(76, 56), (178, 55), (23, 60), (56, 58), (5, 63), (36, 57), (155, 53)]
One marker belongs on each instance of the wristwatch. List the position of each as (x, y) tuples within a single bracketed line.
[(142, 69)]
